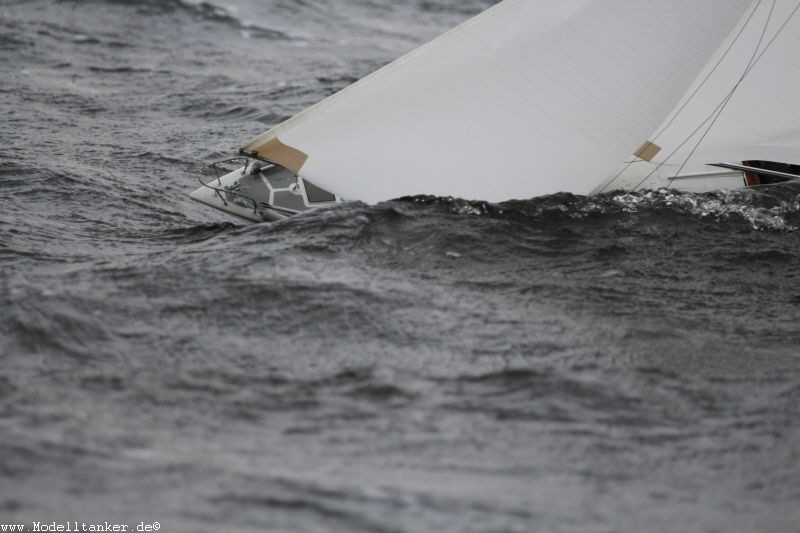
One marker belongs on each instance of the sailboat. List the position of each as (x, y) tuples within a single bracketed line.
[(534, 97)]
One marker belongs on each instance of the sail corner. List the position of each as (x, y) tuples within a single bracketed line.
[(647, 151), (281, 154)]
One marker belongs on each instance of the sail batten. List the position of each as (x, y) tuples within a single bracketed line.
[(531, 97)]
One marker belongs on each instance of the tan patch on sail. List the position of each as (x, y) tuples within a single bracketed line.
[(281, 154), (647, 151)]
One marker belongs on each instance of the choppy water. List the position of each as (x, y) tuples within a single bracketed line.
[(622, 363)]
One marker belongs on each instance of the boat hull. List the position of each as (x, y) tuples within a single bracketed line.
[(259, 192)]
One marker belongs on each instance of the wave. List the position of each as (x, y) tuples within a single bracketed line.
[(204, 9), (768, 208)]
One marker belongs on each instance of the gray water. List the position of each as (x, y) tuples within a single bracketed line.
[(621, 363)]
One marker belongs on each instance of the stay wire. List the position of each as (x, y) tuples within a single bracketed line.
[(700, 86), (750, 65), (714, 115), (716, 66)]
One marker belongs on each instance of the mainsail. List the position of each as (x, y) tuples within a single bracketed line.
[(531, 97)]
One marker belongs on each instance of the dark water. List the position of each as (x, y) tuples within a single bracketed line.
[(623, 363)]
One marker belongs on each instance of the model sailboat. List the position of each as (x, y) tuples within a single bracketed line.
[(534, 97)]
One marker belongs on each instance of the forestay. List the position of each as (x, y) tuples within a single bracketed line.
[(531, 97)]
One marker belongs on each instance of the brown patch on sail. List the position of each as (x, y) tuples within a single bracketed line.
[(647, 151), (281, 154)]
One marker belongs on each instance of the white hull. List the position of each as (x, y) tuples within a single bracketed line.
[(639, 175), (260, 192)]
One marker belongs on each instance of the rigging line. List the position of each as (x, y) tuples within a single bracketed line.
[(747, 70), (702, 138), (780, 30), (688, 138), (694, 93), (716, 66), (757, 60)]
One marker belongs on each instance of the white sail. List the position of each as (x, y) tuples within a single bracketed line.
[(742, 107), (531, 97)]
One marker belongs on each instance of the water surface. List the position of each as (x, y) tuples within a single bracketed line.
[(621, 363)]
